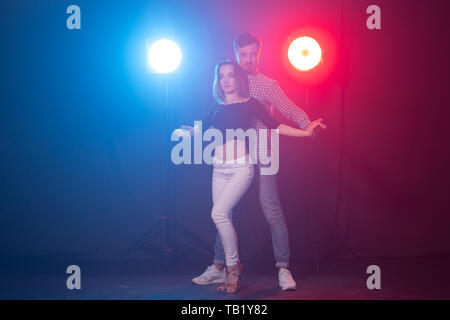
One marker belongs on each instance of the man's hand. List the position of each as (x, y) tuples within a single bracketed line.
[(313, 127)]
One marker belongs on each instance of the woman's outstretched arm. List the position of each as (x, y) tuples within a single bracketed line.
[(192, 131)]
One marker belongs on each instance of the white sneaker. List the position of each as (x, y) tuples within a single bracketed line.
[(285, 280), (210, 276)]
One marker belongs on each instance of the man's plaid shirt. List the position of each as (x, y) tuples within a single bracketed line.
[(268, 92)]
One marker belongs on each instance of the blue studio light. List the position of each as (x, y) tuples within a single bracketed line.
[(164, 56)]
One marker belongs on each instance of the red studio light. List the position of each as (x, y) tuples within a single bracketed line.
[(304, 53), (309, 55)]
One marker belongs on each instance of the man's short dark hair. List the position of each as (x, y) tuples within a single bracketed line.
[(244, 39)]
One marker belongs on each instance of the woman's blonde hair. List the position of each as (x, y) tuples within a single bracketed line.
[(239, 75)]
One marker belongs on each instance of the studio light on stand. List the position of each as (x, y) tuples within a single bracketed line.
[(305, 54), (164, 57)]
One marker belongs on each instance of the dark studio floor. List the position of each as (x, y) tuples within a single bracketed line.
[(401, 278)]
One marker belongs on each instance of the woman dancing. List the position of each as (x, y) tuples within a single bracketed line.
[(233, 172)]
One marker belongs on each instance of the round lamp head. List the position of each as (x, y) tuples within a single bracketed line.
[(164, 56), (304, 53)]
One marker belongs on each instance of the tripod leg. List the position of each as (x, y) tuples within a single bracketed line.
[(193, 237), (345, 245), (140, 240), (342, 243)]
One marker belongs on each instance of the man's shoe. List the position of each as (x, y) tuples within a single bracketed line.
[(285, 280), (210, 276)]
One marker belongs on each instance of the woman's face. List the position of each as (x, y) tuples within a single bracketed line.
[(227, 78)]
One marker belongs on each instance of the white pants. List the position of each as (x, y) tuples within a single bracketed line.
[(229, 184)]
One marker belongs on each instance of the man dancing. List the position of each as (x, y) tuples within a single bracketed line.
[(247, 48)]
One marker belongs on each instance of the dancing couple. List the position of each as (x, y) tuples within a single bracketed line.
[(244, 99)]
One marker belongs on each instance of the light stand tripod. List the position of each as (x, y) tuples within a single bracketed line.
[(167, 222), (331, 231)]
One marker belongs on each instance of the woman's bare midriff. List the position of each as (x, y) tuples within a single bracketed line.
[(236, 149)]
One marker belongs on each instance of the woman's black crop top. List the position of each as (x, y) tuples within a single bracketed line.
[(238, 116)]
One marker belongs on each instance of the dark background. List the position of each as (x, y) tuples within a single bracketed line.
[(82, 125)]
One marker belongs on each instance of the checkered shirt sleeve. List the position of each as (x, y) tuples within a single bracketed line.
[(269, 93)]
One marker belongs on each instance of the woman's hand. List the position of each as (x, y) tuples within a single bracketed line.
[(186, 127), (312, 125)]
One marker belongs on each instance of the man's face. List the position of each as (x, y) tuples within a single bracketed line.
[(248, 57)]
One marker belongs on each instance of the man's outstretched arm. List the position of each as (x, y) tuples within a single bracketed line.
[(286, 107)]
